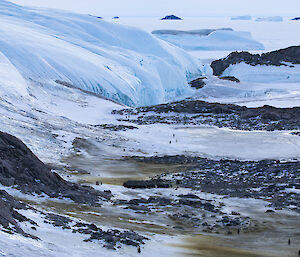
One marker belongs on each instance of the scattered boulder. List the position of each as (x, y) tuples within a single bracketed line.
[(113, 127), (171, 17)]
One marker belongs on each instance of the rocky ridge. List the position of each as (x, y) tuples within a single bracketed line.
[(196, 112), (283, 57)]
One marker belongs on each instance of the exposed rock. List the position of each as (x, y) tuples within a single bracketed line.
[(198, 83), (230, 78), (296, 133), (9, 215), (196, 112), (276, 58), (111, 237), (113, 127), (171, 17), (20, 168), (265, 179), (154, 183), (58, 220), (296, 19)]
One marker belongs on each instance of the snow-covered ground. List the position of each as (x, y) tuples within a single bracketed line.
[(264, 73), (213, 142), (251, 94)]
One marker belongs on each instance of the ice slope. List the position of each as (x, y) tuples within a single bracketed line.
[(217, 40), (119, 62)]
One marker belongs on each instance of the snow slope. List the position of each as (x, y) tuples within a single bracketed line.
[(119, 62)]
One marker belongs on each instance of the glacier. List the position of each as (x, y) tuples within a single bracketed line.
[(217, 40), (118, 62)]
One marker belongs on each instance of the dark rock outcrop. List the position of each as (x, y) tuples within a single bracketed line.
[(113, 127), (198, 83), (230, 78), (9, 215), (276, 58), (153, 183), (171, 17), (296, 19), (21, 169)]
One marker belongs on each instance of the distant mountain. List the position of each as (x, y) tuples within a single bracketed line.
[(171, 17)]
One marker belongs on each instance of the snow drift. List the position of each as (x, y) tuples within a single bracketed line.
[(264, 73), (221, 39), (119, 62)]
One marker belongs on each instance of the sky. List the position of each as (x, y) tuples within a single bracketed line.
[(159, 8)]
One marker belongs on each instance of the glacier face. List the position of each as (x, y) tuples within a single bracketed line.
[(119, 62)]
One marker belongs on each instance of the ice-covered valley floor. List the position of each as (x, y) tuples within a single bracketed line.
[(75, 132)]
